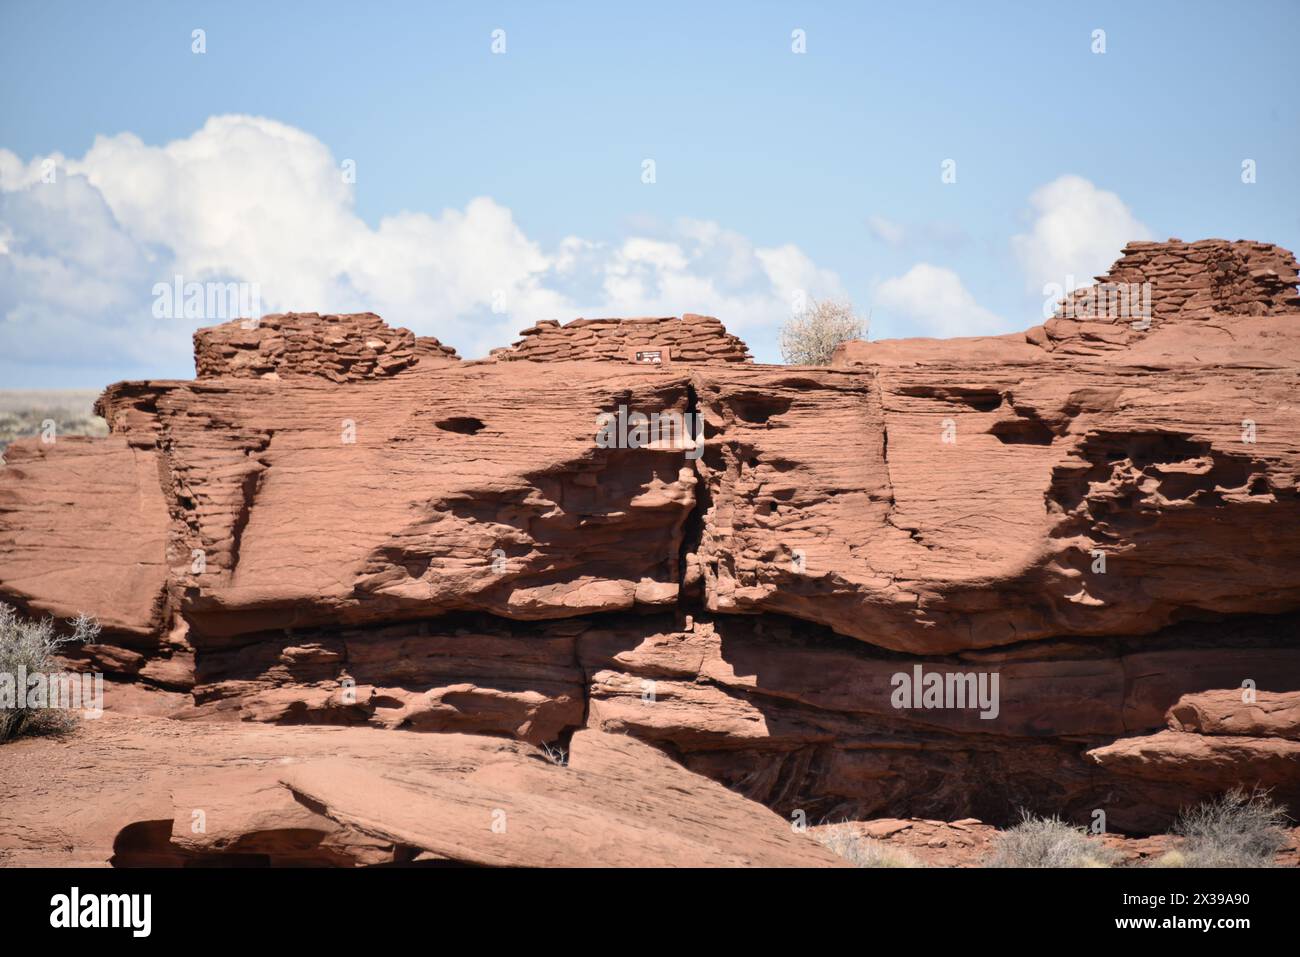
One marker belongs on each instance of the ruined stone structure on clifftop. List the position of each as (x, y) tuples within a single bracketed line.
[(692, 338)]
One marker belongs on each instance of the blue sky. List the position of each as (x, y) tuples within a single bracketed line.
[(772, 169)]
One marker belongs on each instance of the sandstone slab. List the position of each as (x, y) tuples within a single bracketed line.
[(155, 791)]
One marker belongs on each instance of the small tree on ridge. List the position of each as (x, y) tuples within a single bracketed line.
[(810, 339)]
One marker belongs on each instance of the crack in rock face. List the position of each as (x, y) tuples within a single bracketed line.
[(340, 523)]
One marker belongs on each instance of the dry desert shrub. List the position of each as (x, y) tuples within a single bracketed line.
[(1049, 842), (1239, 829), (810, 339), (862, 851), (555, 754), (29, 647)]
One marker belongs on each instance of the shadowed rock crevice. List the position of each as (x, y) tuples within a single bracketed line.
[(463, 424)]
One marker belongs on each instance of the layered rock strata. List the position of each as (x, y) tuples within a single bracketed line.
[(1088, 554)]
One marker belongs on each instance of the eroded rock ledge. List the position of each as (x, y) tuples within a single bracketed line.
[(340, 523)]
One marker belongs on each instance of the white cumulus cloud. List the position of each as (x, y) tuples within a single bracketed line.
[(936, 302), (1078, 230), (253, 200)]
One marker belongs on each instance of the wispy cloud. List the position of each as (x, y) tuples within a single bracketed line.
[(928, 235)]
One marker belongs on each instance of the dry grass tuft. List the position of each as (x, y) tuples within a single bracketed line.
[(862, 851), (1049, 842)]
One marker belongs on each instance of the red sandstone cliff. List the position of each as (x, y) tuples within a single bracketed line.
[(340, 523)]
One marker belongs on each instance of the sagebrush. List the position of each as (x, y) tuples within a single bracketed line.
[(1238, 829), (1049, 842), (31, 647)]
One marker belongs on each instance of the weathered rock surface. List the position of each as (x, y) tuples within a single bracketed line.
[(934, 507), (1217, 740), (460, 487), (1174, 283), (83, 527), (348, 348), (142, 791), (1104, 520), (1255, 714), (481, 676), (694, 339), (971, 843), (798, 720), (1171, 771)]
